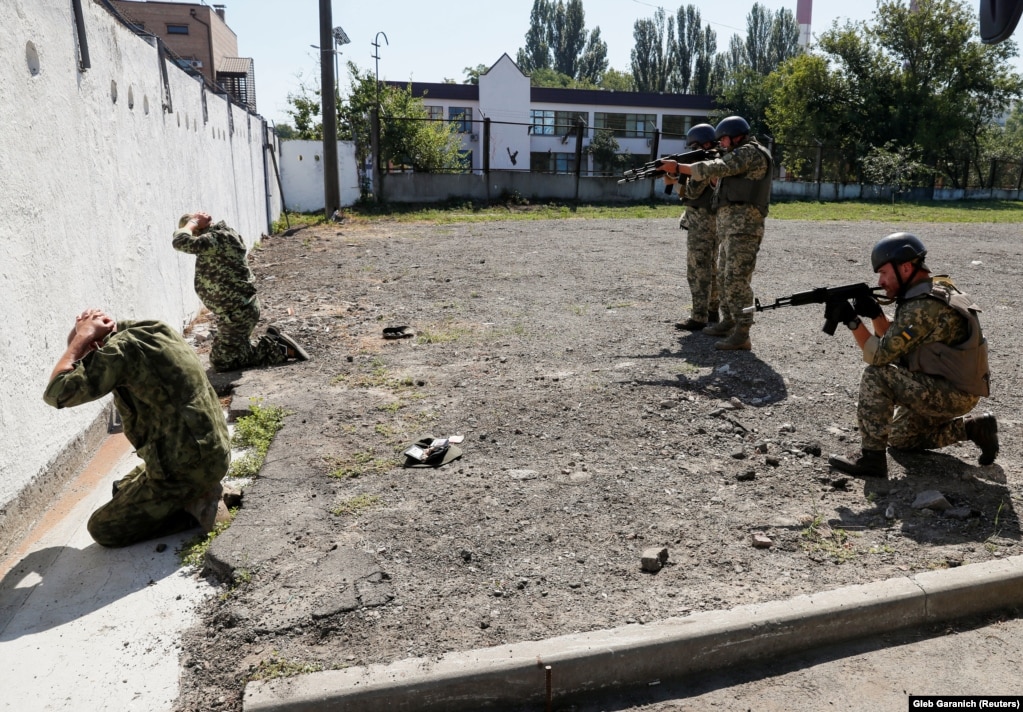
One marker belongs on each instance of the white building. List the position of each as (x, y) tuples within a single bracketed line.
[(532, 128)]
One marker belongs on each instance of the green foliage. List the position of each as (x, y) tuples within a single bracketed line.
[(605, 150), (193, 551), (920, 77), (557, 40), (652, 52), (407, 137), (286, 131), (894, 166), (255, 431)]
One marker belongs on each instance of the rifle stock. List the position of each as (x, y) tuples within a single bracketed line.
[(652, 169), (822, 295)]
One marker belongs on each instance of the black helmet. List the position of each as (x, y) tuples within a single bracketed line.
[(897, 248), (732, 126), (701, 134)]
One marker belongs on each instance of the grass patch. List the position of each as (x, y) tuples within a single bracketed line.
[(193, 552), (443, 335), (966, 211), (256, 431), (295, 220), (359, 464), (274, 667), (819, 538), (356, 504)]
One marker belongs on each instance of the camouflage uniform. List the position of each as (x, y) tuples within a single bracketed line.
[(172, 417), (226, 286), (740, 226), (702, 249), (906, 408)]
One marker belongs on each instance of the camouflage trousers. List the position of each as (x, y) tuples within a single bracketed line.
[(741, 228), (145, 506), (231, 348), (910, 410), (702, 249)]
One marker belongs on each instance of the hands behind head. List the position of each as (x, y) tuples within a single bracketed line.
[(91, 327)]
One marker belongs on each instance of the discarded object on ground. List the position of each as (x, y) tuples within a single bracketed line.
[(397, 332), (431, 452)]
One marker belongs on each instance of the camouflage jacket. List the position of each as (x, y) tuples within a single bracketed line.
[(936, 331), (171, 413), (223, 279)]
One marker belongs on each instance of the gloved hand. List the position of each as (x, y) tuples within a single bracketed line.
[(867, 306), (839, 311)]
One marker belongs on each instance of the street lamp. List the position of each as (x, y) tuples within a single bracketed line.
[(340, 38), (376, 56)]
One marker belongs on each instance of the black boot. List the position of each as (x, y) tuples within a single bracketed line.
[(982, 430), (869, 463)]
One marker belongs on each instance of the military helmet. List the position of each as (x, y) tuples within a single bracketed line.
[(897, 248), (732, 126), (701, 134)]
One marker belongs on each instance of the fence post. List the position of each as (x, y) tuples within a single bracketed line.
[(579, 127), (374, 147), (486, 154), (817, 168), (994, 172)]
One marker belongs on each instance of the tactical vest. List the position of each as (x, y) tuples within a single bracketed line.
[(703, 201), (964, 365), (741, 190)]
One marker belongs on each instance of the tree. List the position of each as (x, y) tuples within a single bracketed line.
[(285, 132), (693, 58), (557, 40), (894, 166), (651, 52), (771, 39), (406, 134), (922, 77), (613, 80), (472, 74), (604, 149)]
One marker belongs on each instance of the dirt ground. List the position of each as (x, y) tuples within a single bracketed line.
[(593, 430)]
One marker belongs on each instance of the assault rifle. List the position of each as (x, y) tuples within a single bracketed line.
[(823, 295), (652, 169)]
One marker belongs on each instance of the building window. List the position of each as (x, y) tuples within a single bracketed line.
[(542, 122), (434, 113), (549, 162), (546, 122), (177, 29), (461, 117), (676, 126), (626, 125)]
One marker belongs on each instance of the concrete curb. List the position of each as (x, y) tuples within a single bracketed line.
[(638, 655)]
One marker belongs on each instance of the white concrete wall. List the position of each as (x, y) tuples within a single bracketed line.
[(302, 174), (93, 176)]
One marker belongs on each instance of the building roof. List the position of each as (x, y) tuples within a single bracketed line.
[(590, 97), (235, 65)]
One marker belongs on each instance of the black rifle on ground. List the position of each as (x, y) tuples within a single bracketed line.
[(823, 295), (652, 169)]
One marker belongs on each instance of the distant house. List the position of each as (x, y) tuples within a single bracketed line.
[(201, 41), (534, 128)]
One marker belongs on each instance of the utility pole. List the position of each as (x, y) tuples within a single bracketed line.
[(328, 111)]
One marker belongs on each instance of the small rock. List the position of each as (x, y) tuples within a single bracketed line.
[(840, 483), (666, 404), (739, 453), (736, 403), (772, 460), (961, 513), (762, 541), (889, 513), (786, 428), (931, 499), (747, 475), (654, 558), (761, 447)]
